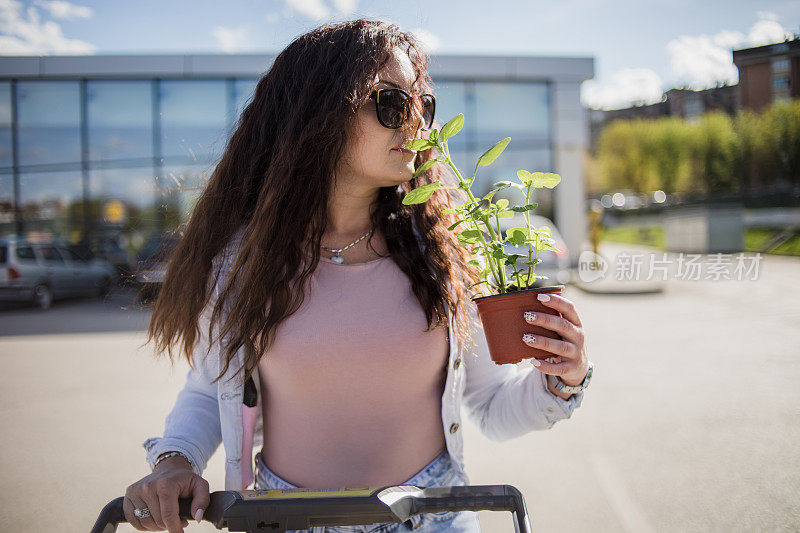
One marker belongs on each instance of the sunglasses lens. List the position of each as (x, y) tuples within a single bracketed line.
[(392, 108), (428, 111)]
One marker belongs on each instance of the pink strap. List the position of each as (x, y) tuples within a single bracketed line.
[(249, 416)]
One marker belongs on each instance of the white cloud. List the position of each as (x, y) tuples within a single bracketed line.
[(767, 15), (232, 40), (767, 31), (702, 61), (26, 34), (627, 86), (345, 7), (697, 62), (317, 9), (60, 9), (314, 9), (429, 42)]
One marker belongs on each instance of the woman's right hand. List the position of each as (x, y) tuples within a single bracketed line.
[(173, 478)]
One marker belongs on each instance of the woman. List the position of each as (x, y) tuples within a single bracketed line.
[(324, 319)]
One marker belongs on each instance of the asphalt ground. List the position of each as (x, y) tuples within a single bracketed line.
[(691, 422)]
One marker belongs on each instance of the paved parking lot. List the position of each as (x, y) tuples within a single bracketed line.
[(691, 423)]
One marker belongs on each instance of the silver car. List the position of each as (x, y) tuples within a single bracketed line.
[(554, 265), (40, 272)]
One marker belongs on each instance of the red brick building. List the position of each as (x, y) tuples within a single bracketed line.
[(768, 74)]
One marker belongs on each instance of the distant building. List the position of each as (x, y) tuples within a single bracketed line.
[(120, 146), (768, 73), (683, 103)]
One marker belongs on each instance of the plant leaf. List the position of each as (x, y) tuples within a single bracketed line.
[(505, 214), (451, 228), (491, 154), (434, 135), (420, 194), (418, 145), (523, 208), (545, 179), (517, 236), (501, 204), (452, 127), (425, 166), (469, 236), (525, 177)]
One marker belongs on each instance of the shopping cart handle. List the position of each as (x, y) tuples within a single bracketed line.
[(278, 510)]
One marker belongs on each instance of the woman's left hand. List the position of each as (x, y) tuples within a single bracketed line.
[(573, 362)]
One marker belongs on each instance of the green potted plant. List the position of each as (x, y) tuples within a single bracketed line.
[(504, 296)]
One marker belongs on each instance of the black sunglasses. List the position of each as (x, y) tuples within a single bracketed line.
[(393, 107)]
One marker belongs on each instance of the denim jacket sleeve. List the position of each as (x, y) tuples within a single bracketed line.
[(504, 401), (193, 426)]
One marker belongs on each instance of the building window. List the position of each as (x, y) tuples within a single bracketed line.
[(780, 65), (48, 122), (780, 83), (517, 110), (193, 120), (120, 119), (5, 124), (52, 204)]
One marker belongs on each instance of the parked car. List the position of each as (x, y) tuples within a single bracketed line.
[(554, 265), (152, 263), (111, 251), (40, 272)]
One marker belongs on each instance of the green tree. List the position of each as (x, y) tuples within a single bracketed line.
[(622, 155), (783, 120), (712, 154)]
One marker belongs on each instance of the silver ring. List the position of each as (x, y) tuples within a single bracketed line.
[(141, 513)]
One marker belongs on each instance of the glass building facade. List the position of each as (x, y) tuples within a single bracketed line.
[(123, 158)]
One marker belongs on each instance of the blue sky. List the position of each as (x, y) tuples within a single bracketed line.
[(641, 47)]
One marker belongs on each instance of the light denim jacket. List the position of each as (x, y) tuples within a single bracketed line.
[(504, 401)]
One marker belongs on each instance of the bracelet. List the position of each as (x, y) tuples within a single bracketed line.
[(170, 454)]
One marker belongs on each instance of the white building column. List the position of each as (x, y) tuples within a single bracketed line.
[(569, 142)]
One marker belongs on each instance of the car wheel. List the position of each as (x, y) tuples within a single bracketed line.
[(42, 296), (103, 287)]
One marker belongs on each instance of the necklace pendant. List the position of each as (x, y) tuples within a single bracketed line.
[(338, 258)]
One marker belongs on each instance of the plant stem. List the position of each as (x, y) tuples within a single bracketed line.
[(475, 202)]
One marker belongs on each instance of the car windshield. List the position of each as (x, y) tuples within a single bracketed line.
[(157, 247)]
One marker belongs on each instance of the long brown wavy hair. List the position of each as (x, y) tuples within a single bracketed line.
[(274, 180)]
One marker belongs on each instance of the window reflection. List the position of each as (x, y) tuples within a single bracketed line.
[(51, 203), (5, 124), (193, 118), (516, 110), (124, 207), (49, 118), (6, 204), (244, 91), (120, 119), (451, 99), (182, 187)]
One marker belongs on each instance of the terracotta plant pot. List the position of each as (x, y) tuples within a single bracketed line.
[(504, 323)]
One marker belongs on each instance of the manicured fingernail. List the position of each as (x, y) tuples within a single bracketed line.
[(544, 297), (198, 515), (528, 338), (530, 316), (536, 362)]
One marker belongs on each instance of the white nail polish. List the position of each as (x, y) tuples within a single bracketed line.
[(543, 298), (198, 515), (528, 338)]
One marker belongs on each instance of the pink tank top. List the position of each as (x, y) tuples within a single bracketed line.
[(352, 386)]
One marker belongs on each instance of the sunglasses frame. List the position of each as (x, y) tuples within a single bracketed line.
[(375, 95)]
